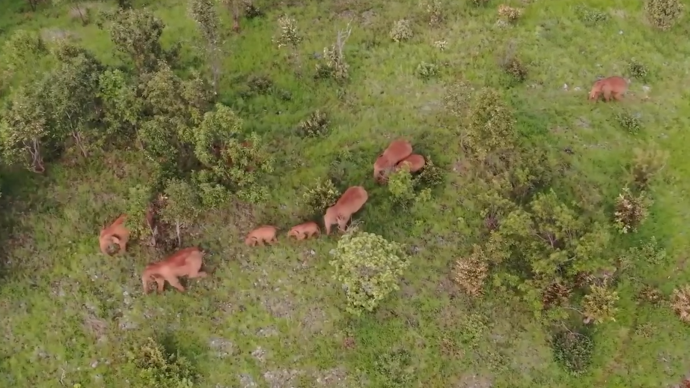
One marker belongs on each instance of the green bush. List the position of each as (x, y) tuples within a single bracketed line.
[(630, 210), (599, 305), (647, 163), (573, 351), (395, 368), (369, 268), (158, 369), (321, 196), (401, 187), (591, 16), (426, 70), (430, 176), (401, 31), (663, 14), (638, 70), (629, 122), (316, 125)]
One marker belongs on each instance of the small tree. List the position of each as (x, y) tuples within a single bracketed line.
[(401, 187), (573, 351), (24, 128), (206, 18), (182, 205), (288, 34), (647, 163), (369, 267), (320, 196), (77, 6), (121, 109), (136, 33), (138, 202), (22, 54)]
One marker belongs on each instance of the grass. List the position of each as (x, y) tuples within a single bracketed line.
[(272, 316)]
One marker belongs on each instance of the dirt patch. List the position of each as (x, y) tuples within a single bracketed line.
[(53, 34), (335, 377), (474, 381), (278, 307), (247, 381), (221, 347), (313, 320), (282, 378)]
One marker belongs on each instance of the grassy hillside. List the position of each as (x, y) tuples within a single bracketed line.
[(274, 316)]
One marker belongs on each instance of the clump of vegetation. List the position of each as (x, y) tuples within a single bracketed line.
[(514, 68), (426, 70), (401, 187), (472, 328), (491, 126), (158, 369), (638, 70), (650, 252), (441, 45), (369, 268), (573, 351), (138, 200), (334, 65), (649, 294), (288, 34), (630, 210), (599, 305), (591, 16), (182, 206), (556, 294), (396, 368), (680, 303), (321, 196), (629, 122), (316, 125), (647, 163), (204, 14), (663, 14), (434, 10), (251, 11), (480, 3), (401, 31), (470, 272), (508, 13), (259, 84)]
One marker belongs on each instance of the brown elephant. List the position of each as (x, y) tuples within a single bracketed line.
[(115, 234), (305, 230), (396, 151), (349, 203), (610, 87), (185, 262), (261, 235)]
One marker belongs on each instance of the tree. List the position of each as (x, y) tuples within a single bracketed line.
[(72, 89), (23, 54), (204, 14), (138, 202), (121, 109), (182, 205), (136, 33), (369, 267), (24, 128)]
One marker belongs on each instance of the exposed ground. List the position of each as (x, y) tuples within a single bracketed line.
[(273, 317)]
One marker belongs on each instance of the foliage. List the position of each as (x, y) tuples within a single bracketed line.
[(556, 294), (401, 185), (233, 159), (136, 33), (651, 295), (182, 205), (288, 34), (251, 11), (321, 196), (24, 128), (470, 272), (22, 52), (590, 16), (434, 10), (514, 68), (663, 14), (508, 13), (426, 70), (315, 125), (334, 65), (573, 351), (259, 84), (600, 305), (472, 327), (480, 3), (121, 109), (401, 31), (491, 126), (204, 14), (395, 367), (629, 122), (431, 175), (158, 369), (680, 303), (369, 267), (441, 45), (647, 163), (138, 200), (630, 210), (638, 70), (650, 252)]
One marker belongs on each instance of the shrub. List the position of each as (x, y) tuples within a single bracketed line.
[(491, 126), (324, 194), (599, 305), (470, 272), (647, 163), (590, 16), (288, 34), (434, 10), (430, 176), (480, 3), (395, 367), (259, 84), (401, 31), (649, 294), (508, 13), (157, 369), (573, 351), (401, 187), (316, 125), (556, 294), (649, 252), (251, 11), (514, 68), (638, 70), (369, 267), (680, 302), (138, 201), (472, 328), (663, 14), (630, 211), (441, 45), (629, 122), (426, 70), (334, 64)]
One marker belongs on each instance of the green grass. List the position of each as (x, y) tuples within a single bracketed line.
[(273, 315)]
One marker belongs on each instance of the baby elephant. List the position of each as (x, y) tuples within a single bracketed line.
[(305, 230), (185, 262), (610, 87), (261, 235)]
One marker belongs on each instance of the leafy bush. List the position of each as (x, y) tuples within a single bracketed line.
[(472, 327), (630, 211), (647, 163), (508, 13), (395, 367), (259, 84), (288, 34), (600, 305), (426, 70), (638, 70), (401, 185), (663, 14), (491, 125), (401, 31), (591, 16), (680, 303), (650, 252), (182, 205), (573, 351), (480, 3), (514, 68), (316, 125), (334, 65), (251, 11), (629, 122), (138, 201), (369, 267), (441, 45), (434, 10), (649, 294), (556, 294), (321, 196), (470, 272), (157, 369)]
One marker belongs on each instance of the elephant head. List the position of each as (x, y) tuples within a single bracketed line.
[(330, 218)]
